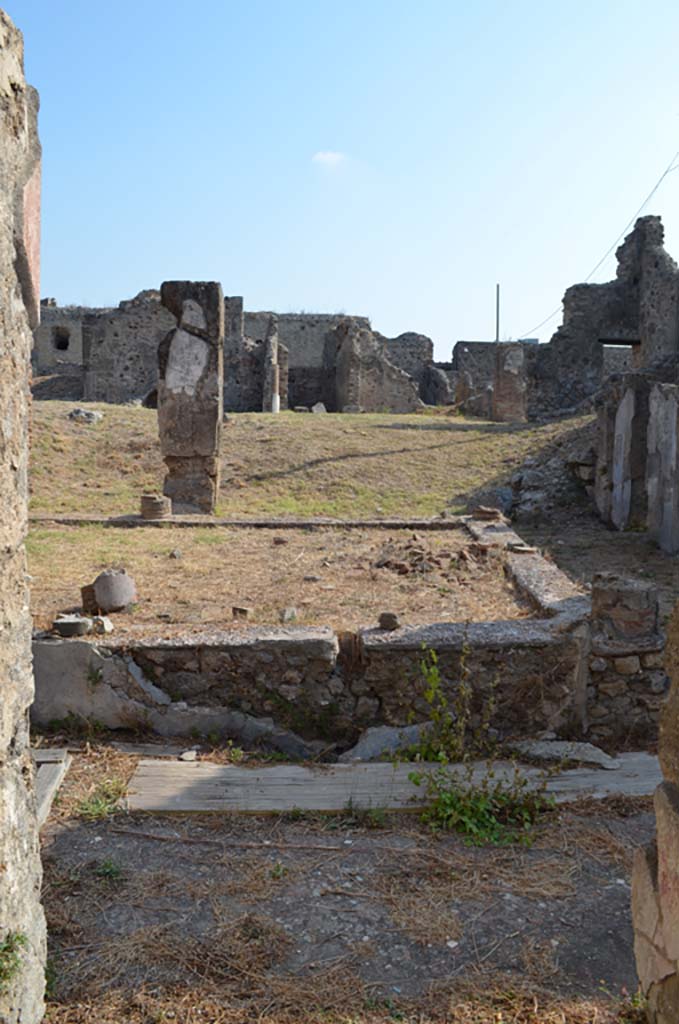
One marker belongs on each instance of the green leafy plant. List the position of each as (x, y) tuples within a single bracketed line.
[(278, 871), (109, 870), (490, 812), (10, 958), (486, 807), (103, 801)]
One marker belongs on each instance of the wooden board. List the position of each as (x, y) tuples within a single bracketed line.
[(51, 767), (185, 787)]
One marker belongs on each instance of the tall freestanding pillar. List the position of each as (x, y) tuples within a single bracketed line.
[(190, 394)]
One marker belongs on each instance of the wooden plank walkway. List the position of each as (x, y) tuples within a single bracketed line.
[(196, 787), (51, 767)]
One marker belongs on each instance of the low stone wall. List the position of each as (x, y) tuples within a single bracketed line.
[(570, 670)]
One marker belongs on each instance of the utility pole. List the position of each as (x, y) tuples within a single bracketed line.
[(497, 313)]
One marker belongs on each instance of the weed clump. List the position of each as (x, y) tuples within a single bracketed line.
[(485, 806)]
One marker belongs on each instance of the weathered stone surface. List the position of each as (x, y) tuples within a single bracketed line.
[(663, 1001), (628, 666), (645, 910), (114, 590), (190, 390), (565, 750), (85, 415), (382, 740), (666, 803), (21, 1000), (668, 750), (623, 609)]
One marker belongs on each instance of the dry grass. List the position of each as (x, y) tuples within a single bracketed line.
[(338, 464), (331, 577), (97, 771), (514, 998), (467, 874)]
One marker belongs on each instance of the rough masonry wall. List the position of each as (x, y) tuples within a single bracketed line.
[(120, 349), (412, 353), (655, 879), (365, 380), (21, 918), (57, 340), (510, 388)]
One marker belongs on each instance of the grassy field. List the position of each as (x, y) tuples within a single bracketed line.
[(338, 465)]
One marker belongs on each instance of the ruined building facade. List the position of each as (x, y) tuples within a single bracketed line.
[(22, 926), (110, 355)]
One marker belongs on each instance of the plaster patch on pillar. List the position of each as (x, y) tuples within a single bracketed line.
[(186, 362)]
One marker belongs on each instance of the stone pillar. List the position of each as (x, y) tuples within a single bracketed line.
[(662, 467), (190, 394), (655, 879), (510, 385), (283, 370), (271, 381), (622, 450), (22, 925)]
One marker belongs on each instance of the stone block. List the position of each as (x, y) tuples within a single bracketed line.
[(666, 804), (628, 666), (623, 609)]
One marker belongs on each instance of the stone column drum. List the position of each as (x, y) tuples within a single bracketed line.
[(190, 394)]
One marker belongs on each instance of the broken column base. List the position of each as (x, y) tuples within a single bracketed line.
[(192, 484)]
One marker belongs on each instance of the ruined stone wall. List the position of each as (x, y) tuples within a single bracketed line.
[(365, 379), (120, 350), (655, 879), (439, 384), (617, 359), (57, 340), (412, 353), (474, 364), (510, 387), (244, 346), (21, 920)]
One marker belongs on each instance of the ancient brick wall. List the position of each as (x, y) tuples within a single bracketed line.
[(21, 918)]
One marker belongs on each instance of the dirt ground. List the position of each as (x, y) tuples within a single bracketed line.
[(338, 578), (581, 544), (352, 918)]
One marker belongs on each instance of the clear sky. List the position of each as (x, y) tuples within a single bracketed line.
[(391, 158)]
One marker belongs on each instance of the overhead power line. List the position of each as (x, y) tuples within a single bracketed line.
[(672, 166)]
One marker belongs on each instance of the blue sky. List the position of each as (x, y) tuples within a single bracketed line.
[(386, 158)]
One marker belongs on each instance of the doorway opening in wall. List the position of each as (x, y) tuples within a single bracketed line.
[(151, 400), (61, 338)]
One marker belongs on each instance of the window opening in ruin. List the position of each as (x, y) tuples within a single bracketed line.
[(61, 338)]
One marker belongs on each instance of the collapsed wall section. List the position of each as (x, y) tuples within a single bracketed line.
[(22, 926)]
